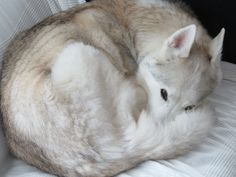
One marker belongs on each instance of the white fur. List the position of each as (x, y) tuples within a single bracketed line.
[(19, 107), (79, 63), (71, 66), (102, 99), (81, 112), (217, 46)]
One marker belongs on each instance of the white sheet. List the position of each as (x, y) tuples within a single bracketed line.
[(215, 157)]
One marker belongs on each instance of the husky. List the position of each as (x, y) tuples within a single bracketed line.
[(98, 89)]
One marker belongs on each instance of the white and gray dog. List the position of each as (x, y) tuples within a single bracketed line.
[(95, 90)]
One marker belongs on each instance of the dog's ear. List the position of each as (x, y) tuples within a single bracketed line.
[(216, 46), (179, 44)]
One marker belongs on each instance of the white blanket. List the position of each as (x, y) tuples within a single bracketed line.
[(215, 157)]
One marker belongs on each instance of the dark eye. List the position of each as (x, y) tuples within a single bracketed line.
[(164, 94), (189, 108)]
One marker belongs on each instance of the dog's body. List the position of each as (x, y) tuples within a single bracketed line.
[(100, 88)]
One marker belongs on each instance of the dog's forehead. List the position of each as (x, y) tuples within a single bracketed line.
[(189, 71), (199, 84)]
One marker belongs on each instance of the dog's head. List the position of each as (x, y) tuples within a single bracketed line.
[(186, 69)]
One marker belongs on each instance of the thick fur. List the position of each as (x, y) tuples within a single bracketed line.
[(81, 91)]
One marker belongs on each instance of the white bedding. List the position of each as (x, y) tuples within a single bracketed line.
[(215, 157)]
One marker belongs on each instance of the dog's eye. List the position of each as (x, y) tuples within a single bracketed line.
[(189, 108), (164, 94)]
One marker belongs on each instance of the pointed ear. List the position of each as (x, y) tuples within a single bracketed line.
[(180, 43), (217, 45)]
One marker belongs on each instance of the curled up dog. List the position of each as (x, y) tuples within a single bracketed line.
[(104, 86)]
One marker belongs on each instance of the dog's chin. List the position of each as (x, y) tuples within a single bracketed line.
[(195, 124), (204, 113), (191, 128), (203, 110)]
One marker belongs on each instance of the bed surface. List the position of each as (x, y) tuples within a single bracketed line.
[(215, 157)]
